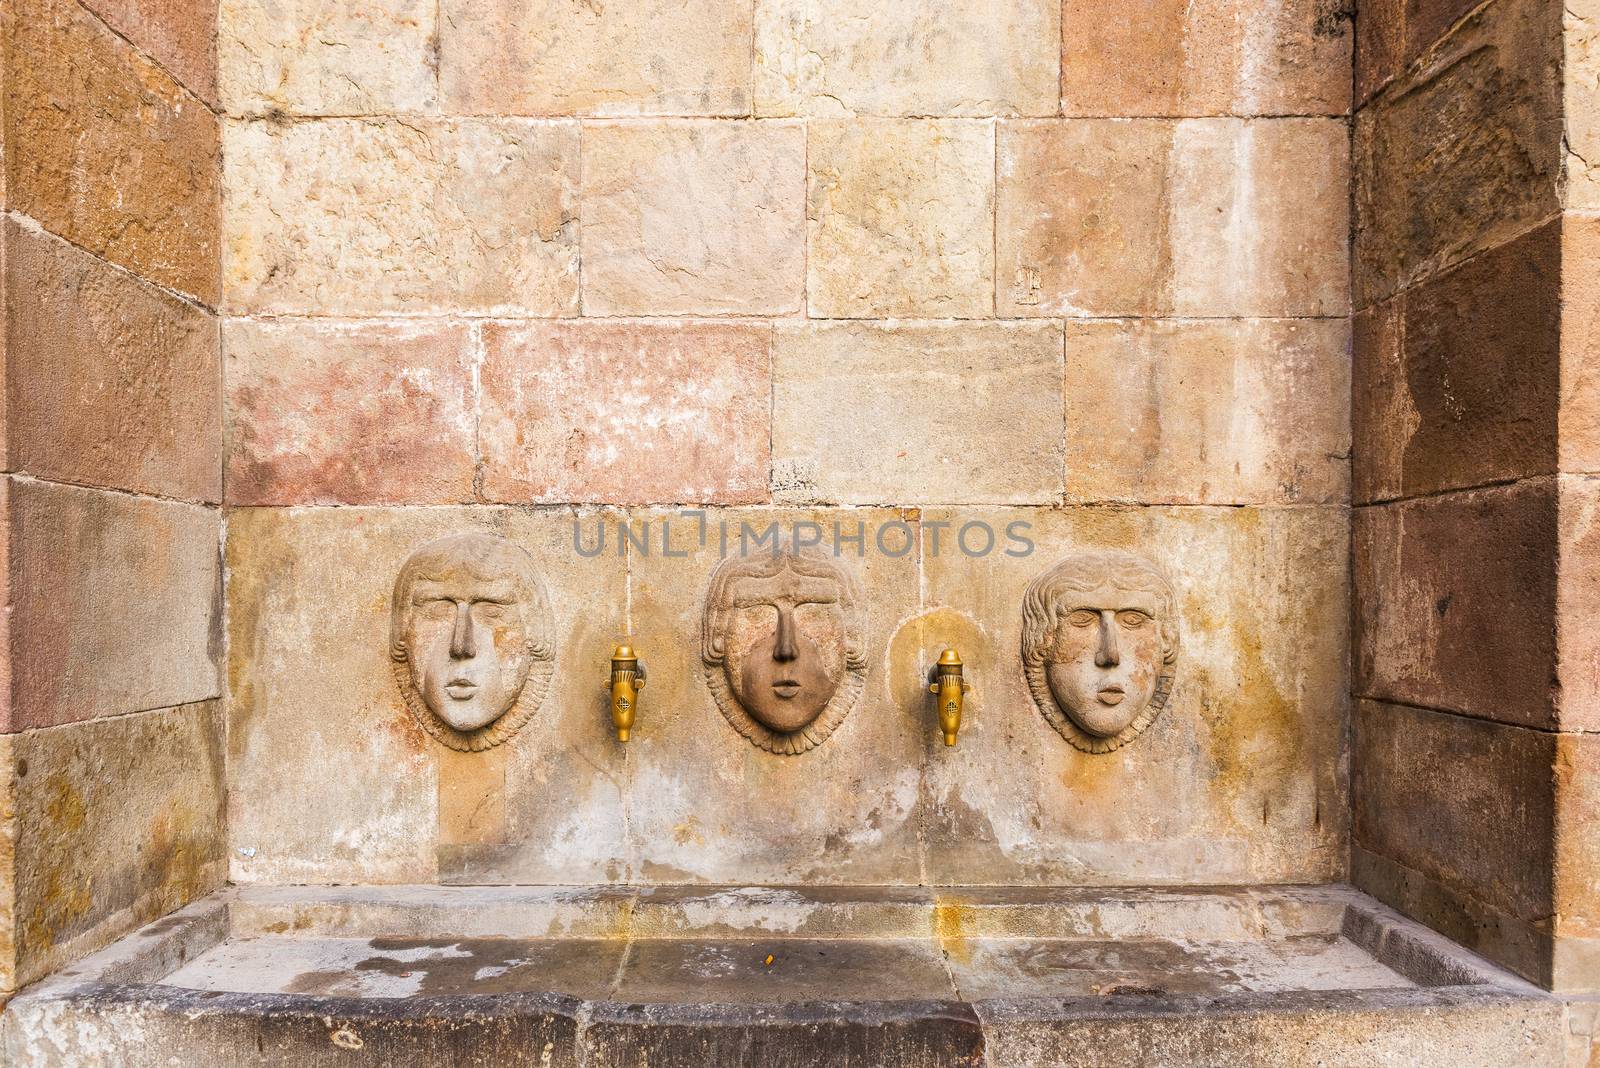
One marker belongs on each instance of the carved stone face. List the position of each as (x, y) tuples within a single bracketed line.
[(1100, 640), (783, 634), (469, 622)]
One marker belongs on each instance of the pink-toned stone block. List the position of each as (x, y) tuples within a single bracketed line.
[(625, 412), (349, 412), (181, 35)]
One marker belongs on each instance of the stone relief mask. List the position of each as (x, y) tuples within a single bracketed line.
[(472, 640), (1099, 647), (782, 640)]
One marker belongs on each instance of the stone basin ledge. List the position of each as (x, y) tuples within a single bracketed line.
[(1446, 1007)]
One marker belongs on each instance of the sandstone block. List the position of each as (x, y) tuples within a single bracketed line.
[(306, 57), (1581, 103), (1249, 745), (923, 413), (692, 218), (1204, 217), (1465, 811), (625, 412), (1459, 378), (947, 57), (1456, 602), (349, 412), (118, 822), (1463, 153), (178, 34), (319, 725), (360, 217), (552, 57), (901, 218), (114, 604), (112, 382), (107, 151), (1208, 412), (1214, 57), (702, 820)]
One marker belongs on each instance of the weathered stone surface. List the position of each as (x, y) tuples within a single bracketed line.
[(115, 604), (1456, 820), (625, 412), (1575, 691), (919, 413), (1204, 217), (1463, 153), (901, 217), (118, 822), (1456, 602), (360, 217), (349, 412), (106, 150), (306, 57), (947, 57), (1575, 955), (1578, 445), (178, 34), (1380, 46), (552, 57), (1214, 57), (690, 218), (1581, 103), (317, 717), (1220, 412), (112, 382), (855, 816), (1241, 777), (1459, 378)]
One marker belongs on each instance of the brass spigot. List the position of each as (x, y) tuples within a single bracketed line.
[(627, 679), (952, 690)]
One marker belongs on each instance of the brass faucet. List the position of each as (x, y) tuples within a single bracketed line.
[(627, 679), (952, 690)]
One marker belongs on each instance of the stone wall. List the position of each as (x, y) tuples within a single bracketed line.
[(516, 266), (1475, 558), (111, 723)]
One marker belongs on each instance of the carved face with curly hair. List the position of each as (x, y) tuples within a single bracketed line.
[(1099, 645), (781, 638), (468, 626)]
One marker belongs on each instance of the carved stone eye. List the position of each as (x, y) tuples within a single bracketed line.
[(1132, 618), (1083, 618)]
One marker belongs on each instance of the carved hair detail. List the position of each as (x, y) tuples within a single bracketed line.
[(486, 557), (1048, 599)]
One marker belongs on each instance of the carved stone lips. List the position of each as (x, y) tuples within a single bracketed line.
[(785, 688), (1111, 695), (461, 689)]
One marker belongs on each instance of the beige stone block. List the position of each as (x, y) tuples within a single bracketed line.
[(349, 412), (554, 57), (309, 57), (178, 34), (1241, 778), (693, 218), (901, 217), (945, 57), (333, 780), (1204, 57), (1208, 412), (919, 413), (363, 217), (112, 381), (107, 151), (706, 805), (1581, 103), (1201, 217), (616, 412), (118, 822), (115, 604)]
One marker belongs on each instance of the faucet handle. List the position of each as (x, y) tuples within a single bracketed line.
[(627, 679), (947, 681)]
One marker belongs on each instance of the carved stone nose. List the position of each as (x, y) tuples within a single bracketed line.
[(1108, 655), (784, 648), (463, 644)]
